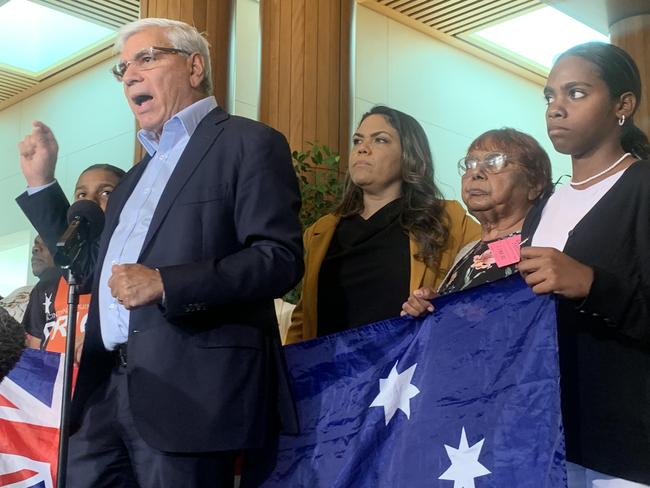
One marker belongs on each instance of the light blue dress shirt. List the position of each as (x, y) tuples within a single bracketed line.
[(128, 237)]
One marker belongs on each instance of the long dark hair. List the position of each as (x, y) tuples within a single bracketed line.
[(422, 213), (621, 74)]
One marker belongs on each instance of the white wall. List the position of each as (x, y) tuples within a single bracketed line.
[(93, 124), (247, 59), (14, 256), (455, 96)]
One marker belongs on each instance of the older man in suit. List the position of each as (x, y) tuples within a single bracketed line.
[(182, 363)]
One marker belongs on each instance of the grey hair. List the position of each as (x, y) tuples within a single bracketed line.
[(179, 34)]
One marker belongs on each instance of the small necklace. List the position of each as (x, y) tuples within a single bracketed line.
[(616, 163)]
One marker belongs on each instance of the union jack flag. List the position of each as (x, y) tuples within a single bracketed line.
[(30, 407)]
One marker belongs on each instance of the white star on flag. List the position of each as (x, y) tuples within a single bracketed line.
[(395, 392), (47, 303), (464, 463)]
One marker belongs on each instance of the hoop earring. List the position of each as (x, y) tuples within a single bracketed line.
[(621, 121)]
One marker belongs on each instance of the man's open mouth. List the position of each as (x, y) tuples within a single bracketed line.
[(140, 99)]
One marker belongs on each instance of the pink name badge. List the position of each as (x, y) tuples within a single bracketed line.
[(506, 251)]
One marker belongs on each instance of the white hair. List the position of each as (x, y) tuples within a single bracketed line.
[(179, 34)]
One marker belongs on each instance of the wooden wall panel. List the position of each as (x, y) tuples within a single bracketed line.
[(324, 100), (633, 35), (310, 81), (296, 72), (286, 37), (305, 74), (345, 81)]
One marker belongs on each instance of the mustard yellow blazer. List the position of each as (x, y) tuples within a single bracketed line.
[(317, 238)]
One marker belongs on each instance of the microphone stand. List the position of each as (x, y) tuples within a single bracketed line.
[(83, 216), (73, 301)]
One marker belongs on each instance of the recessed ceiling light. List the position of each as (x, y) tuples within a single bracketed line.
[(35, 38), (538, 36)]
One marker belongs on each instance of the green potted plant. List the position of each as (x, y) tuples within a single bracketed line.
[(321, 187), (320, 183)]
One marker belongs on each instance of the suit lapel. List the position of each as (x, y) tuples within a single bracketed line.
[(122, 193), (116, 203), (200, 142)]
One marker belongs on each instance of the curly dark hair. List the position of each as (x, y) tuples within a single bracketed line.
[(119, 172), (12, 342), (422, 212), (525, 150)]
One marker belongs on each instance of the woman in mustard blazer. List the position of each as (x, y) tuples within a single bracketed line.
[(392, 232)]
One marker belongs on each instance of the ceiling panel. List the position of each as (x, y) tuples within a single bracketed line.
[(15, 85), (110, 13), (451, 20), (457, 16)]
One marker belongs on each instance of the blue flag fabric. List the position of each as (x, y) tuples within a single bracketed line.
[(467, 397)]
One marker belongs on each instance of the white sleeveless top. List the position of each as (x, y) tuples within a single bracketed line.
[(565, 208)]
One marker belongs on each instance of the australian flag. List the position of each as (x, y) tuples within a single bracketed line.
[(467, 397), (30, 406)]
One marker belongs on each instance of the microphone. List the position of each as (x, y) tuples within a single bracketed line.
[(85, 223)]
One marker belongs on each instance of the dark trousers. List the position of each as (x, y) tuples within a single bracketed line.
[(107, 450)]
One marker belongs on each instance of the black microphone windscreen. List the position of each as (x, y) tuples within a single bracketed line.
[(89, 211), (12, 342)]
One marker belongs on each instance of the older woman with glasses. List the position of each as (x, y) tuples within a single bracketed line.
[(504, 173)]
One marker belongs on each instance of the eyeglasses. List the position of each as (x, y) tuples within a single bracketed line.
[(491, 163), (146, 59)]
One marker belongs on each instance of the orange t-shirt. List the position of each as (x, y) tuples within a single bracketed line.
[(56, 330)]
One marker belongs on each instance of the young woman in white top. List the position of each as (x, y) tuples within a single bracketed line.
[(591, 247)]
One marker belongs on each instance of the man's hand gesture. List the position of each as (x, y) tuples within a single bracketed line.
[(38, 152)]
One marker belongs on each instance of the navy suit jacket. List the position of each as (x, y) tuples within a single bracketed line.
[(206, 370)]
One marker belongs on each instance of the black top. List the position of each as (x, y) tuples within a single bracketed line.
[(40, 308), (365, 275), (476, 267), (604, 340)]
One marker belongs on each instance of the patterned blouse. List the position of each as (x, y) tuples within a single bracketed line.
[(476, 267)]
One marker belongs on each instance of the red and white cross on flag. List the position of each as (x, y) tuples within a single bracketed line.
[(30, 407)]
